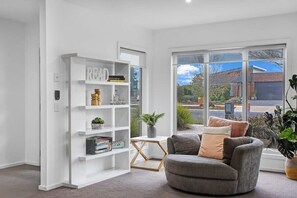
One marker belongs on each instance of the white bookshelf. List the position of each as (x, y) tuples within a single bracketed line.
[(86, 169), (101, 176), (91, 132), (113, 152), (105, 107), (88, 82)]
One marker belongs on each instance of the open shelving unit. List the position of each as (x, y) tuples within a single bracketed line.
[(88, 169), (105, 107)]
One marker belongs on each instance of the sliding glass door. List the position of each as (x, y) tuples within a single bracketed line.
[(225, 85), (190, 92), (265, 87), (239, 84)]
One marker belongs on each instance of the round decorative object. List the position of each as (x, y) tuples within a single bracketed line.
[(97, 126), (291, 168), (151, 132)]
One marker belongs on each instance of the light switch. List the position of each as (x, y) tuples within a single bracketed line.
[(56, 107), (56, 77)]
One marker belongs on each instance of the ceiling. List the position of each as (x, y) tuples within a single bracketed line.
[(19, 10), (160, 14)]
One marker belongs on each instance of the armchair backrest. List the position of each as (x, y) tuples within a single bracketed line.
[(246, 160), (170, 146)]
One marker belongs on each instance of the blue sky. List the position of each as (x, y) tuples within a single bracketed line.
[(185, 73)]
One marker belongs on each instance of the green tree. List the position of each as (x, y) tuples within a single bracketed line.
[(184, 118), (135, 124), (197, 85), (179, 92), (219, 92)]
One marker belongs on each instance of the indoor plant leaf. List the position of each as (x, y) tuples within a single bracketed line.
[(151, 119)]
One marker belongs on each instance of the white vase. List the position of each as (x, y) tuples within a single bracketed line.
[(97, 126)]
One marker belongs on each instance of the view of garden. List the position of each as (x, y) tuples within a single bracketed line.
[(135, 100), (225, 85), (264, 87)]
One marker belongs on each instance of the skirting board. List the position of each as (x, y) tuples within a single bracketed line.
[(32, 163), (11, 164), (51, 187)]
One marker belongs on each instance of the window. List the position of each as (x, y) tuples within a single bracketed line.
[(137, 60), (225, 84), (239, 84), (190, 91), (265, 87)]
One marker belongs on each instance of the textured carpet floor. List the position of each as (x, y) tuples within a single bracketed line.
[(143, 184), (20, 181)]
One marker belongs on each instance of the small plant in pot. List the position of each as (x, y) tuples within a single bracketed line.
[(151, 120), (97, 123), (283, 129)]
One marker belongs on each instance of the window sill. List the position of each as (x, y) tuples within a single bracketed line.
[(272, 160)]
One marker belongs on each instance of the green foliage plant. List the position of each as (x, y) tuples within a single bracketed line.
[(151, 119), (97, 120), (283, 127), (184, 118), (135, 122)]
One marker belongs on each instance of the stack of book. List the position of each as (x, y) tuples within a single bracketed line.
[(116, 78), (118, 144), (98, 144)]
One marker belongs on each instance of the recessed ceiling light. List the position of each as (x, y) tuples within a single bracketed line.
[(188, 1)]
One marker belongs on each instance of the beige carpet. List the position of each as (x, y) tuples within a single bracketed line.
[(20, 181), (137, 184)]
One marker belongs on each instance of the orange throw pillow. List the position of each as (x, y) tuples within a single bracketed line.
[(239, 128), (213, 140)]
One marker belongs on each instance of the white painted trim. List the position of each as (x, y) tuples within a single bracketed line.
[(43, 95), (173, 93), (227, 46), (206, 88), (272, 162), (244, 71), (145, 77), (50, 187), (230, 46), (12, 164), (91, 57), (32, 163), (132, 47)]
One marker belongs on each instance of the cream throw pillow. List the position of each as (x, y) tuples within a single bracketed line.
[(213, 140)]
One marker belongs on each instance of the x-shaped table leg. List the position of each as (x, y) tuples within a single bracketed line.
[(165, 153), (139, 151)]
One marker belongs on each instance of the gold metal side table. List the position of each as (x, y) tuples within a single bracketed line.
[(143, 140)]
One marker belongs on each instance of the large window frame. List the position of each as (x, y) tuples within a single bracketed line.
[(245, 64), (272, 160), (142, 53)]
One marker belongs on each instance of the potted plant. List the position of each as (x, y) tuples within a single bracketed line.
[(283, 129), (151, 120), (97, 123)]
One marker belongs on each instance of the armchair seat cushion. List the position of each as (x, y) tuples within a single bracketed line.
[(199, 167)]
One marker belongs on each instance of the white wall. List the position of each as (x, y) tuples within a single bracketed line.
[(70, 28), (218, 35), (12, 93), (32, 94)]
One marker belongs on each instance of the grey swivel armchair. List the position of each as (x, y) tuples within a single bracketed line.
[(202, 175)]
